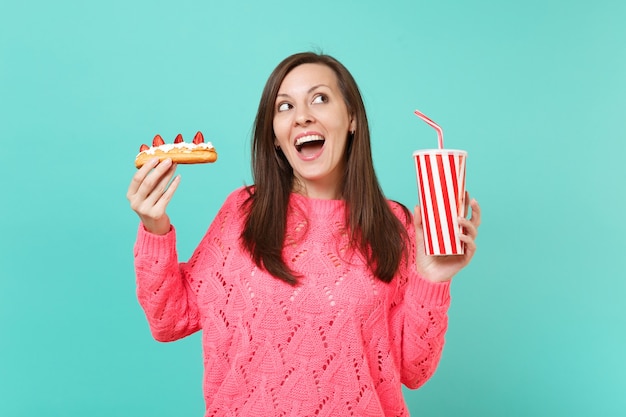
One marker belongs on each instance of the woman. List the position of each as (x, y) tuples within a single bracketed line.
[(312, 290)]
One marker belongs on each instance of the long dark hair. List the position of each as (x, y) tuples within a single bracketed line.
[(374, 229)]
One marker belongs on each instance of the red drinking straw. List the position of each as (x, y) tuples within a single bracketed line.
[(433, 124)]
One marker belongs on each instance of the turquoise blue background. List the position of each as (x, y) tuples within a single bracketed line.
[(535, 91)]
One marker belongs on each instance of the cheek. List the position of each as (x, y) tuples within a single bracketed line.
[(279, 129)]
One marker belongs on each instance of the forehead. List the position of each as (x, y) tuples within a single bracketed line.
[(305, 76)]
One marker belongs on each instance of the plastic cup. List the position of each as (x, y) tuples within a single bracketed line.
[(441, 189)]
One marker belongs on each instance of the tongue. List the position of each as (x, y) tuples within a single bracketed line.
[(311, 148)]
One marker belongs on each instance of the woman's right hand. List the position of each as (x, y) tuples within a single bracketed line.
[(149, 194)]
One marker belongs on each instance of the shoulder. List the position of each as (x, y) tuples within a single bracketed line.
[(235, 204), (231, 214), (239, 197)]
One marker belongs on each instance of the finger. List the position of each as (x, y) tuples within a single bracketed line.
[(469, 228), (420, 249), (151, 188), (466, 202), (419, 225), (161, 186), (475, 213), (166, 197), (470, 246), (417, 217), (154, 179), (139, 177)]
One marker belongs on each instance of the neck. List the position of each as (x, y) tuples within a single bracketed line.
[(317, 190)]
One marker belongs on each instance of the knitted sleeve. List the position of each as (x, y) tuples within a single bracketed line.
[(419, 320), (166, 289), (162, 291)]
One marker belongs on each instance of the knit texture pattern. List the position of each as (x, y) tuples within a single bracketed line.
[(341, 343)]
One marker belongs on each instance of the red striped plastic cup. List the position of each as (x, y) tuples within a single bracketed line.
[(441, 188)]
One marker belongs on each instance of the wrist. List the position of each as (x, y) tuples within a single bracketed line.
[(437, 278), (157, 227), (435, 274)]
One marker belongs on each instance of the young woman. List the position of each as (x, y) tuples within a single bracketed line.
[(312, 290)]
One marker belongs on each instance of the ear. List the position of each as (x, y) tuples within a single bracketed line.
[(352, 124)]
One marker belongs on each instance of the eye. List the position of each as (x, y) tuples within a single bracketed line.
[(283, 107), (320, 98)]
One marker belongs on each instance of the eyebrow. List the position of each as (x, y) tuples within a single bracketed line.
[(316, 86)]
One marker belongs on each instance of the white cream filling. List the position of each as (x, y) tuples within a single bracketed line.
[(183, 146)]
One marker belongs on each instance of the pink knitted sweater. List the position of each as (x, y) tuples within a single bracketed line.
[(341, 343)]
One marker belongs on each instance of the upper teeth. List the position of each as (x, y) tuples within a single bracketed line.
[(310, 138)]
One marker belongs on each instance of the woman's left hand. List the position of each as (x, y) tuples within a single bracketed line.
[(443, 268)]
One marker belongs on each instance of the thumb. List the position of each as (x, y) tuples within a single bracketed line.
[(419, 225), (419, 234), (417, 218)]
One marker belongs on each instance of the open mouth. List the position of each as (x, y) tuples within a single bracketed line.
[(309, 145)]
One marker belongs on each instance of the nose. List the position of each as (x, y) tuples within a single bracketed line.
[(303, 116)]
